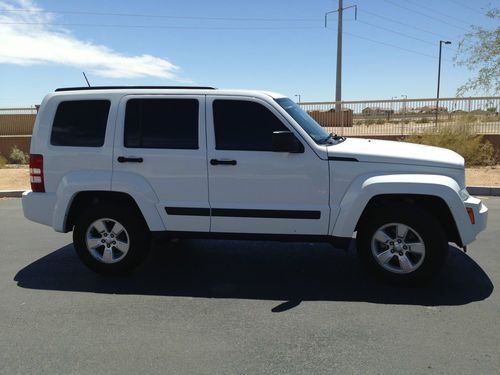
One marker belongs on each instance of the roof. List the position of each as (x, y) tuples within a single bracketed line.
[(142, 90), (84, 88)]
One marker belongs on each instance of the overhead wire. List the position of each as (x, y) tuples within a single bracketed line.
[(437, 12), (425, 15), (394, 46), (146, 15)]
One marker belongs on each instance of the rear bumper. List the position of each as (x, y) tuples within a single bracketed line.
[(39, 207)]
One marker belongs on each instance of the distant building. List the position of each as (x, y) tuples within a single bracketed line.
[(429, 109), (377, 111)]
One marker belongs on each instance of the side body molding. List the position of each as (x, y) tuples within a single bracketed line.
[(365, 187)]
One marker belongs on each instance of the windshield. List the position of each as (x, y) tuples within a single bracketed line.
[(315, 131)]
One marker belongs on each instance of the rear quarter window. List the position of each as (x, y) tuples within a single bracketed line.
[(80, 123)]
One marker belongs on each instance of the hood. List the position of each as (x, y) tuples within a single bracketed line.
[(379, 151)]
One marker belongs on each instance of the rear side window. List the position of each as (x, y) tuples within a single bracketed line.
[(244, 125), (162, 123), (80, 123)]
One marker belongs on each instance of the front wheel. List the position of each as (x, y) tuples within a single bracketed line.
[(406, 245), (111, 240)]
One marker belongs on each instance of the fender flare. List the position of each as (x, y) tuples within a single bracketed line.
[(129, 183), (366, 187)]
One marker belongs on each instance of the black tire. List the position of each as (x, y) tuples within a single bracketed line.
[(426, 226), (137, 234)]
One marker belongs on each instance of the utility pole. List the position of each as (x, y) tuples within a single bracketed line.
[(441, 42), (338, 82)]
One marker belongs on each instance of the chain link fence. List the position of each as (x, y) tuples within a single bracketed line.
[(406, 116)]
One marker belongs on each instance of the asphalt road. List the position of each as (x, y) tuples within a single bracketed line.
[(232, 307)]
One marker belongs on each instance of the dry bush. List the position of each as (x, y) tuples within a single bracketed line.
[(460, 139), (17, 156), (3, 161)]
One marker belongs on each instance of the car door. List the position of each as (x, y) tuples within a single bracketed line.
[(160, 143), (253, 189)]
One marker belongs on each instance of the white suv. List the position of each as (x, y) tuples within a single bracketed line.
[(119, 164)]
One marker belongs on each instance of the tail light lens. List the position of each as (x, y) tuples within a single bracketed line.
[(36, 173)]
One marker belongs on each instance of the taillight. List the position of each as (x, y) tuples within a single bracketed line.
[(36, 173), (472, 219)]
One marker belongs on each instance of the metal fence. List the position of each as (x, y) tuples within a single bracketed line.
[(17, 121), (407, 116)]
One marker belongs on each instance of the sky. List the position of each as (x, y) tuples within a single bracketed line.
[(389, 51)]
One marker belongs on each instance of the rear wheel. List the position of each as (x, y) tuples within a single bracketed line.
[(111, 240), (406, 245)]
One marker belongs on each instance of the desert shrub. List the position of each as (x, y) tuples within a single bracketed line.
[(380, 122), (17, 156), (461, 139), (406, 121), (3, 161), (467, 119), (369, 122), (422, 121)]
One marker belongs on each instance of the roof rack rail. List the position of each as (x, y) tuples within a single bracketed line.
[(84, 88)]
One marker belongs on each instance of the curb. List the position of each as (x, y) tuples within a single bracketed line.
[(484, 190), (11, 193), (493, 191)]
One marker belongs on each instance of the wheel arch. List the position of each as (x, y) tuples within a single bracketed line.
[(85, 199), (435, 205)]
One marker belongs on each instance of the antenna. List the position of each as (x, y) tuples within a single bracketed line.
[(86, 79)]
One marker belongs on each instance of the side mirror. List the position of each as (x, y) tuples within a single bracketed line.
[(286, 141)]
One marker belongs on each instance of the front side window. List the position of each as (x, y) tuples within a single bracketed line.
[(244, 125), (80, 123), (162, 123)]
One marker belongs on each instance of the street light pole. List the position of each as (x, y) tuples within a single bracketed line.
[(441, 42), (298, 95), (404, 114)]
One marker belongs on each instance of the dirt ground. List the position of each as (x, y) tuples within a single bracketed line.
[(17, 178)]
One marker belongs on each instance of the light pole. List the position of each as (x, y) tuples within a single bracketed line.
[(298, 95), (441, 42), (404, 114)]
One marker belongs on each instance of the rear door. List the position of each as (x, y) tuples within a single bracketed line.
[(161, 138)]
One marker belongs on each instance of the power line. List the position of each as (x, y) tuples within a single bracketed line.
[(467, 7), (146, 15), (168, 27), (394, 46), (405, 24), (425, 15), (437, 12), (398, 33)]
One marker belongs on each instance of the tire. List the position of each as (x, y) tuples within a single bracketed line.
[(404, 245), (111, 240)]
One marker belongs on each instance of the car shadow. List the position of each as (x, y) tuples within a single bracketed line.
[(291, 272)]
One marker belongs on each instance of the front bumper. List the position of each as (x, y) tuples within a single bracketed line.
[(480, 219)]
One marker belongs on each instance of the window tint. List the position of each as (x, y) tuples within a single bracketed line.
[(244, 125), (162, 123), (80, 123)]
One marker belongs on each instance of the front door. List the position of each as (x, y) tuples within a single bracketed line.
[(253, 189)]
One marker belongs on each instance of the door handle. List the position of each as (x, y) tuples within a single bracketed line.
[(222, 162), (132, 159)]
